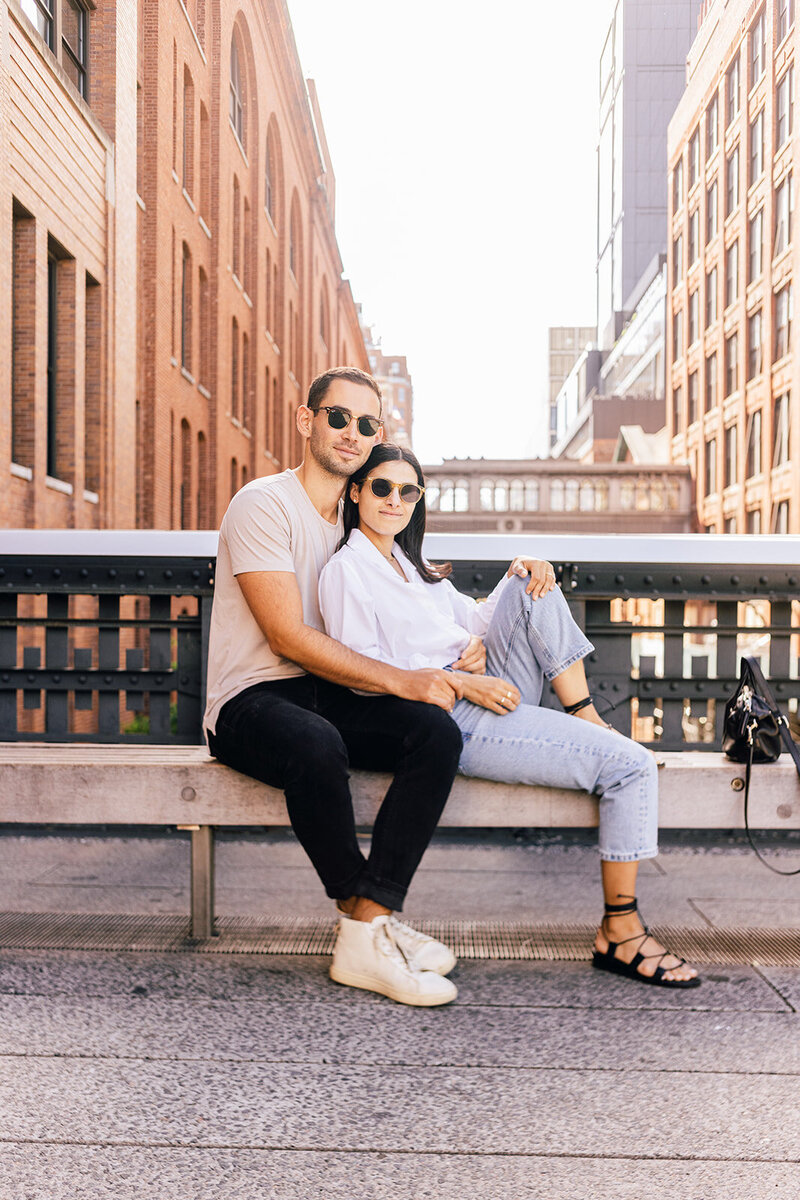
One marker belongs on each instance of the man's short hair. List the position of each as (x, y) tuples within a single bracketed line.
[(320, 385)]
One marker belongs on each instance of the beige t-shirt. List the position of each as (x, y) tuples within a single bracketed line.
[(270, 525)]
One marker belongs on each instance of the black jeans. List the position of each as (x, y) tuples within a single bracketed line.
[(302, 734)]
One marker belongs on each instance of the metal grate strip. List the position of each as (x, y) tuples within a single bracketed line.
[(270, 934)]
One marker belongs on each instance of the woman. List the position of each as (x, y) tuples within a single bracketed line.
[(380, 597)]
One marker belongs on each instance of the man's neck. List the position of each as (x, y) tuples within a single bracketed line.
[(323, 489)]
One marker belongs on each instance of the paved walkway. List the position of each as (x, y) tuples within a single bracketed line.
[(192, 1077)]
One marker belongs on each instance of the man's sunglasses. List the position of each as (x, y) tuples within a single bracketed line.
[(410, 493), (340, 418)]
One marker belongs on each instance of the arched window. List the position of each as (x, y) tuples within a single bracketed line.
[(432, 495), (324, 317), (187, 158), (236, 112), (295, 241), (186, 475), (269, 177), (557, 495), (446, 498), (234, 477), (501, 495), (516, 495), (186, 309), (461, 495), (487, 495), (237, 229), (235, 369), (531, 495), (246, 408), (203, 516)]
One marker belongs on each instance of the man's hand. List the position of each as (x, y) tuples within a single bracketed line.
[(498, 695), (542, 576), (473, 657), (432, 685)]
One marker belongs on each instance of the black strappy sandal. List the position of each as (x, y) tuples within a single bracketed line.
[(607, 960)]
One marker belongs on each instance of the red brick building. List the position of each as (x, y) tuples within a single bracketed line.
[(67, 263), (168, 202), (732, 384)]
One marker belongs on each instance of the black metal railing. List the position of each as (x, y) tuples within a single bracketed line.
[(104, 636)]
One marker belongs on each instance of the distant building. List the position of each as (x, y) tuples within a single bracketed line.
[(733, 390), (565, 344), (466, 495), (391, 372), (642, 77)]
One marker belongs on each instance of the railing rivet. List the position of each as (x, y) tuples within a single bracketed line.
[(648, 687), (734, 579), (706, 579), (56, 572), (673, 687), (106, 679), (184, 680), (159, 679), (763, 580), (84, 574), (648, 579), (31, 678), (793, 580), (677, 579), (188, 793), (81, 679), (6, 678), (140, 574), (56, 679), (29, 572), (602, 686), (701, 687), (168, 574), (195, 574), (619, 579), (2, 572), (591, 578), (134, 679), (112, 573)]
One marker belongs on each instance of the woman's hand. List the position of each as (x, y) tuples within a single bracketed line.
[(498, 695), (542, 576), (473, 657)]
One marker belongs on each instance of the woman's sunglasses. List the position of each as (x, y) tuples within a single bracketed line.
[(410, 493), (340, 418)]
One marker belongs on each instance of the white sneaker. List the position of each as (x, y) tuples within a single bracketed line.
[(366, 955), (423, 952)]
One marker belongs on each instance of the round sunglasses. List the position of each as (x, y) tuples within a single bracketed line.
[(410, 493), (340, 418)]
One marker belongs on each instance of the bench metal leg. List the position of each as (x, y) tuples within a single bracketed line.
[(202, 871)]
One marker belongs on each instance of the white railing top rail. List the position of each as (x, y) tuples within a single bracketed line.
[(781, 550)]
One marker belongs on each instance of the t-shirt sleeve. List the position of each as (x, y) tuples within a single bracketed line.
[(258, 533), (347, 607)]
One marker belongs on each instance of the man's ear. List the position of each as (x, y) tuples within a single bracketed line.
[(380, 435), (304, 419)]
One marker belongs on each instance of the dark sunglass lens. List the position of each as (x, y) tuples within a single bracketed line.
[(410, 493), (380, 488), (338, 418), (368, 426)]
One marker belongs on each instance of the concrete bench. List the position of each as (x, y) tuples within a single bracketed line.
[(70, 784)]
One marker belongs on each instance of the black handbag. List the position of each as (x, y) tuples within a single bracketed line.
[(753, 730)]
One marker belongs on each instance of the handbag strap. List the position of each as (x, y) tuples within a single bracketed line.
[(748, 770), (783, 724)]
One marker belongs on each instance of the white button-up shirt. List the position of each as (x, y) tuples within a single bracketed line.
[(407, 623)]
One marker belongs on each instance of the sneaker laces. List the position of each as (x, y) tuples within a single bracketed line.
[(386, 944), (407, 932)]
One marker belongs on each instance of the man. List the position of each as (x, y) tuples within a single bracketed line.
[(280, 706)]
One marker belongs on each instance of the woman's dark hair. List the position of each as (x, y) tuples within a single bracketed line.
[(409, 539)]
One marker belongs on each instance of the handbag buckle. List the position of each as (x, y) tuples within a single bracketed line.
[(745, 698)]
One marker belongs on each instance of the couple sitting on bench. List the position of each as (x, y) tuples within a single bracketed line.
[(334, 643)]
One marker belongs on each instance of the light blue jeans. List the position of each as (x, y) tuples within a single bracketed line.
[(529, 641)]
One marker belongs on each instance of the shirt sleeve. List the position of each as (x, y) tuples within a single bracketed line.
[(258, 533), (347, 608), (472, 615)]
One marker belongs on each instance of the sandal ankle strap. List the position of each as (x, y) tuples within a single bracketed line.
[(620, 910)]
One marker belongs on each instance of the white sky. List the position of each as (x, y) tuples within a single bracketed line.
[(463, 142)]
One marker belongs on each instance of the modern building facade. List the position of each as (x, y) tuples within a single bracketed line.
[(734, 409), (642, 76), (566, 343), (169, 251)]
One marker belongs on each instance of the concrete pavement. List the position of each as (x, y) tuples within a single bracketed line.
[(191, 1076)]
